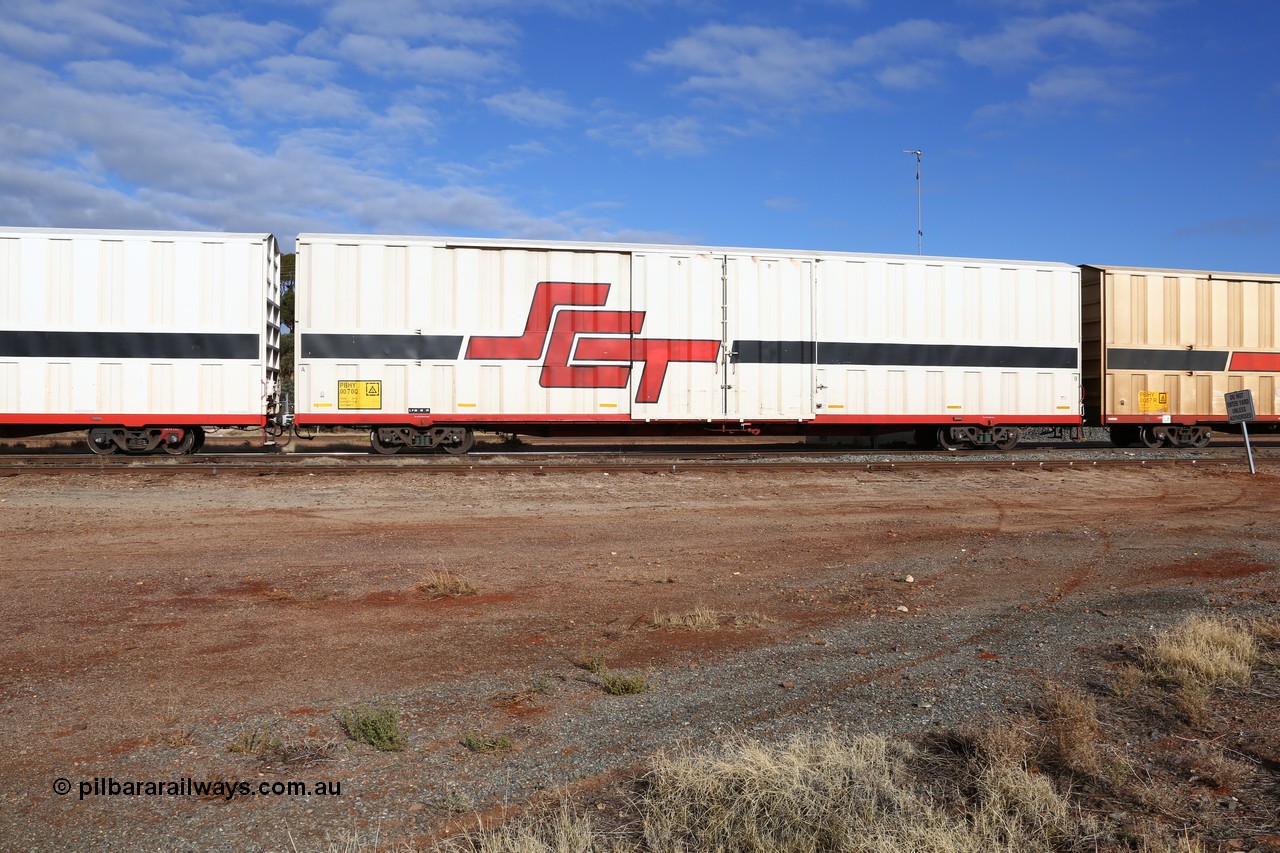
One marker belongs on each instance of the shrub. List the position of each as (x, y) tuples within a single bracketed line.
[(378, 727), (477, 742), (621, 684)]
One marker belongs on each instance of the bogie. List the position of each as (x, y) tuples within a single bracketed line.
[(391, 440), (175, 441)]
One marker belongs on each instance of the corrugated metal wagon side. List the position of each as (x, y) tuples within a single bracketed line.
[(425, 339), (964, 351), (147, 338), (1163, 347)]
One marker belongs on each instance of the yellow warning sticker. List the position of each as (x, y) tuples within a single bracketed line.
[(360, 394), (1153, 402)]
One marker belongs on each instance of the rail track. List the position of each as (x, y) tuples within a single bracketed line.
[(260, 462)]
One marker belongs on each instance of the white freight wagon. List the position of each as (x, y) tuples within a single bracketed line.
[(425, 340), (145, 338)]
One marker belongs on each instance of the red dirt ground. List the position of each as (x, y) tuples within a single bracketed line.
[(152, 619)]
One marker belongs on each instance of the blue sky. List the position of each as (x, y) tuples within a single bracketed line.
[(1124, 132)]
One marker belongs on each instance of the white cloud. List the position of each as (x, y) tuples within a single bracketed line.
[(916, 76), (671, 136), (101, 159), (784, 204), (904, 37), (301, 87), (115, 75), (532, 107), (1025, 40), (219, 39), (394, 56), (1067, 91), (779, 70), (414, 20), (84, 28), (759, 67)]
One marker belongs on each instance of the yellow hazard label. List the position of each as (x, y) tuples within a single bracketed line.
[(1153, 402), (360, 394)]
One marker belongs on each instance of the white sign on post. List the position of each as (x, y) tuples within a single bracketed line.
[(1240, 411)]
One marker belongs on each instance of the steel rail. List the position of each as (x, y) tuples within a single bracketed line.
[(277, 467)]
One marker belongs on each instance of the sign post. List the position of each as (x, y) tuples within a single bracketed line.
[(1240, 411)]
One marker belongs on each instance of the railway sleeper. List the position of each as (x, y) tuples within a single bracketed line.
[(176, 441), (393, 439)]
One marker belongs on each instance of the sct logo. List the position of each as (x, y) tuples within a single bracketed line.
[(584, 332)]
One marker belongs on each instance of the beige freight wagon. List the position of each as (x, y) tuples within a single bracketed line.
[(1162, 347)]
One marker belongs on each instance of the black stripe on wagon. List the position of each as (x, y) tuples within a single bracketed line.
[(773, 352), (109, 345), (389, 347), (903, 355), (1166, 359)]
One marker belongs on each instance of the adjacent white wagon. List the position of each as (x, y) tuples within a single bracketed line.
[(144, 338), (425, 340)]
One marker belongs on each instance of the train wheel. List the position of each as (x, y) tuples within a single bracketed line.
[(1202, 438), (1010, 440), (383, 447), (946, 441), (198, 432), (100, 442), (183, 446), (1150, 438), (459, 441)]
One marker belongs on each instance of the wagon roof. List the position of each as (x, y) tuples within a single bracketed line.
[(1209, 274), (136, 233), (566, 245)]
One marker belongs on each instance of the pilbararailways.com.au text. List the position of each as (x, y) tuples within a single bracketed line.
[(225, 789)]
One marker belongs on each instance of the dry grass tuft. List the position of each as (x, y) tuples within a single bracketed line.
[(832, 792), (1192, 701), (1203, 651), (446, 584), (1002, 744), (350, 841), (563, 832), (593, 663), (706, 619), (1266, 629), (257, 741), (698, 619), (1125, 680), (1071, 731), (1210, 765)]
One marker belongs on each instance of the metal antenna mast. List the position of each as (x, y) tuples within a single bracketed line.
[(919, 202)]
